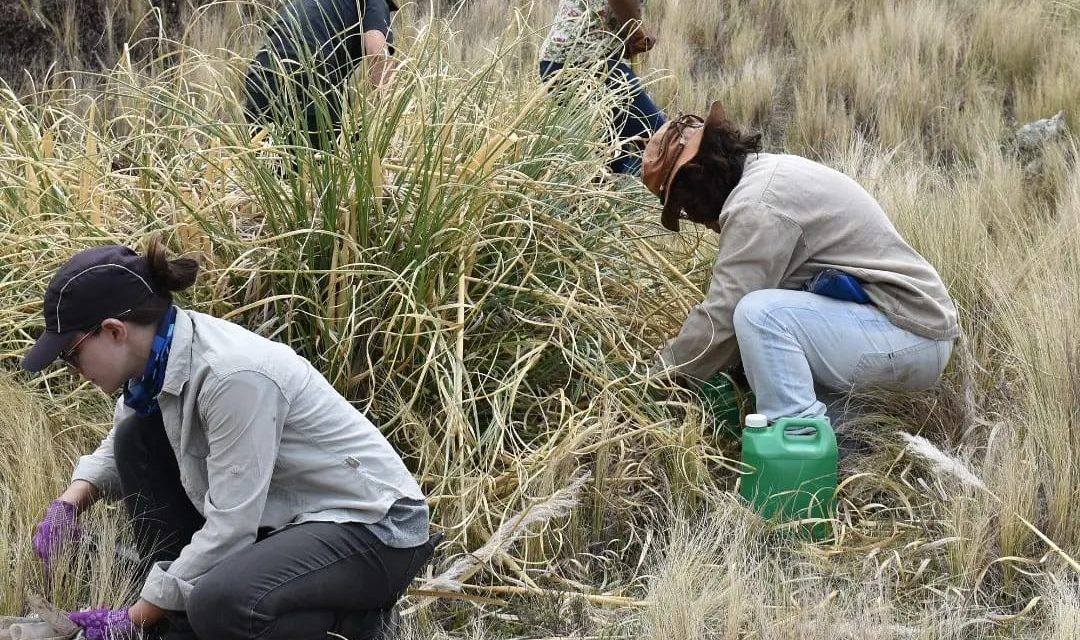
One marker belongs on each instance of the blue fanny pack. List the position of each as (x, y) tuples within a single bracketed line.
[(833, 283)]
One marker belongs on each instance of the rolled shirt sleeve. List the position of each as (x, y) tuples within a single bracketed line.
[(758, 250), (244, 414)]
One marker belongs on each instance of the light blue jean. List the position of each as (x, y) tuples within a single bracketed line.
[(796, 345)]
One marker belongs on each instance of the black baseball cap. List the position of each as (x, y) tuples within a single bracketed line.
[(95, 284)]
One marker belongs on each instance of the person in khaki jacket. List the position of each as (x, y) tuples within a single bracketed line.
[(813, 289), (264, 504)]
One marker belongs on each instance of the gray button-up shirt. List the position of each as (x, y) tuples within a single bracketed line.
[(262, 440)]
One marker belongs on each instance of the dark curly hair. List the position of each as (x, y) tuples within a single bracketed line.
[(703, 184)]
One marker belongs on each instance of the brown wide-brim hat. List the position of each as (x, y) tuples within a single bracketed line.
[(669, 150)]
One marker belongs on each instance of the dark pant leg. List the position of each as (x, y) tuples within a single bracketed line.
[(642, 117), (637, 119), (634, 121), (293, 81), (162, 515), (381, 624), (303, 582), (161, 512), (548, 68), (175, 627)]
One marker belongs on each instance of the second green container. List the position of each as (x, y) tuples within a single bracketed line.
[(728, 402)]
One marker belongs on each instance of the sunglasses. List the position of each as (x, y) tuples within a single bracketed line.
[(70, 356)]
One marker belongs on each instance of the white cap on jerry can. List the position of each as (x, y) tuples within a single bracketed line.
[(756, 421)]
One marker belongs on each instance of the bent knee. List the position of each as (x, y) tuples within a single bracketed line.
[(211, 608), (753, 309)]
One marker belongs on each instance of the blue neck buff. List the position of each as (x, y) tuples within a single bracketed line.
[(141, 393)]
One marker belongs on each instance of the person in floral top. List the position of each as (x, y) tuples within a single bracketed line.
[(585, 31)]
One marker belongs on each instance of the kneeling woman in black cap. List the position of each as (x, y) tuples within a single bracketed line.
[(267, 505)]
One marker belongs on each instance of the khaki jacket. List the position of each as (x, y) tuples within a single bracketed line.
[(787, 219), (262, 440)]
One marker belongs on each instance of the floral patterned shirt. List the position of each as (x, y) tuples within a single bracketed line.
[(584, 30)]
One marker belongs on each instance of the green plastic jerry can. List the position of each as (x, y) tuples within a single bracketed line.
[(728, 403), (793, 470)]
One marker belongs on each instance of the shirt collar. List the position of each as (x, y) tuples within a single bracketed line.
[(178, 370)]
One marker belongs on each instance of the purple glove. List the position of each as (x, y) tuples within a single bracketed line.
[(59, 527), (101, 624)]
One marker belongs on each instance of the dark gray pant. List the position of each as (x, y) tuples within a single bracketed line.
[(296, 584)]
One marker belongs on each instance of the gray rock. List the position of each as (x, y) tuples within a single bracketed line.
[(31, 628), (52, 615), (1035, 135)]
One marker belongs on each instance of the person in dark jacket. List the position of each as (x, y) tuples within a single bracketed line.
[(297, 79)]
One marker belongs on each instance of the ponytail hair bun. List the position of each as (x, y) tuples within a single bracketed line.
[(169, 275)]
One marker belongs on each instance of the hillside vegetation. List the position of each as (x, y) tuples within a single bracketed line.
[(458, 271)]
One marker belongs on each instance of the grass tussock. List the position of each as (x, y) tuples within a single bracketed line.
[(454, 268)]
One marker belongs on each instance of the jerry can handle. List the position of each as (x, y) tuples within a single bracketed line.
[(801, 427)]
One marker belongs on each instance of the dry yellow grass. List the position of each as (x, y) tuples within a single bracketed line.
[(500, 305)]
